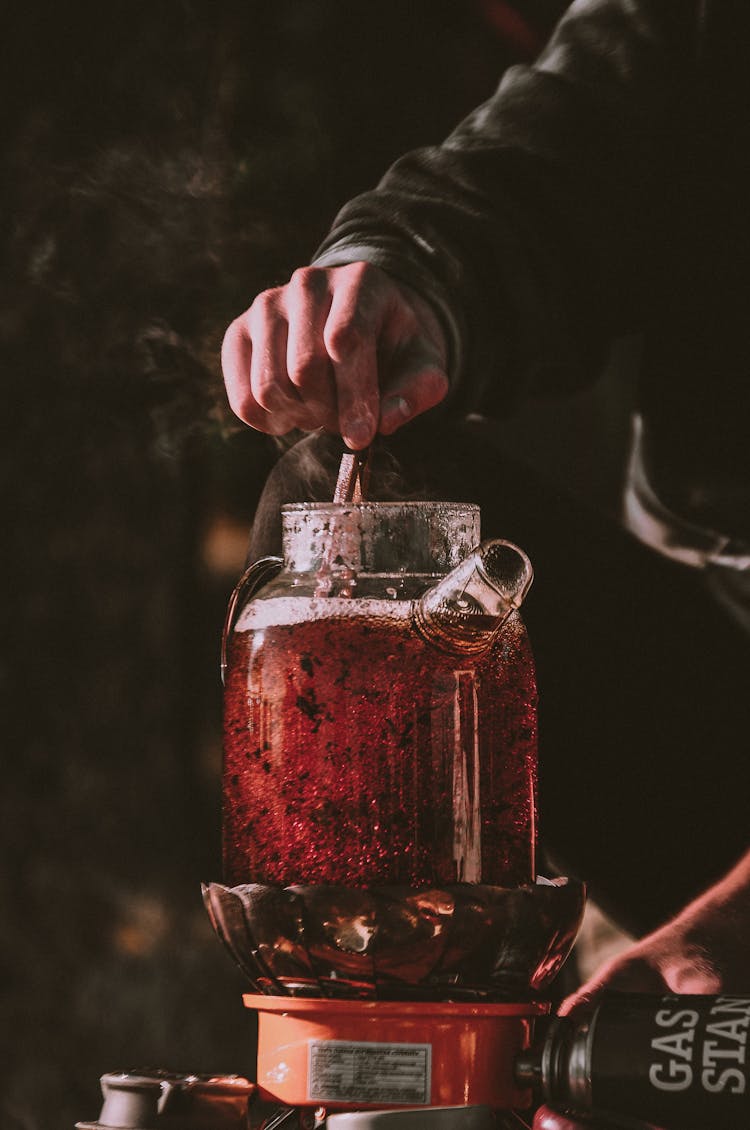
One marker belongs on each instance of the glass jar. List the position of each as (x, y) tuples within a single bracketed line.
[(380, 704)]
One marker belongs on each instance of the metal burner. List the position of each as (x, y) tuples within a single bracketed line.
[(460, 942)]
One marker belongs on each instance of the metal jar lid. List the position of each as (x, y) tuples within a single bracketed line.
[(142, 1100)]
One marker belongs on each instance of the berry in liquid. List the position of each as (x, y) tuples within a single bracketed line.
[(357, 754)]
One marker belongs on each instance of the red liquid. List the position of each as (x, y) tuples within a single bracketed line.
[(357, 754)]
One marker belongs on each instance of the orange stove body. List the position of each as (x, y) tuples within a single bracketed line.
[(350, 1055)]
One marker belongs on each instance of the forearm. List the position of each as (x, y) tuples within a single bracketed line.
[(715, 929), (704, 949), (528, 226)]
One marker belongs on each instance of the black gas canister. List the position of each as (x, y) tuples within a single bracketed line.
[(679, 1062)]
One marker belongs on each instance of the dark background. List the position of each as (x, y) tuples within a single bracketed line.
[(162, 164)]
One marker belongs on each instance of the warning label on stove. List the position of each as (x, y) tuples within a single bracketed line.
[(347, 1071)]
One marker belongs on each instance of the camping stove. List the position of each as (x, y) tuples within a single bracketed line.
[(379, 851), (389, 998), (380, 820), (380, 1009), (380, 813)]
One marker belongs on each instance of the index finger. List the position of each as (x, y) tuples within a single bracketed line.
[(350, 336)]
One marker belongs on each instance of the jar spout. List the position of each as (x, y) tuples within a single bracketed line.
[(464, 610)]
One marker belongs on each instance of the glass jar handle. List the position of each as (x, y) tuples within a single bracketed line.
[(254, 577)]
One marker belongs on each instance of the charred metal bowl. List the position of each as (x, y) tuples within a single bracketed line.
[(460, 942)]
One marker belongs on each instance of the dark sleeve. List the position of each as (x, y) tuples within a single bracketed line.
[(533, 227)]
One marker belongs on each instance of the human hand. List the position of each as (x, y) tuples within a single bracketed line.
[(632, 971), (346, 348), (703, 950)]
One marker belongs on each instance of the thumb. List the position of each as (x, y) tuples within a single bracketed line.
[(412, 360), (415, 383)]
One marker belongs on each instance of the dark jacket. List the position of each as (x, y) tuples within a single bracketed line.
[(603, 190)]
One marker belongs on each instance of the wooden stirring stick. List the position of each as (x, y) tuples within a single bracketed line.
[(351, 485)]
